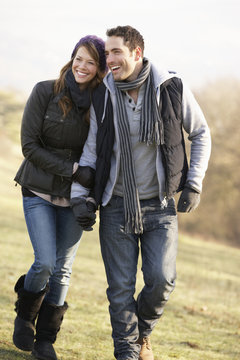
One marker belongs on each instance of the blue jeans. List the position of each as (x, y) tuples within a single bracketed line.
[(132, 318), (55, 236)]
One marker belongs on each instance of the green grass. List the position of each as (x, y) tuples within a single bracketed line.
[(201, 320)]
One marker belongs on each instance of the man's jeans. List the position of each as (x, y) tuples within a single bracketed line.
[(130, 318), (55, 236)]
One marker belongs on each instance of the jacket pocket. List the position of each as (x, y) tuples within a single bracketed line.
[(53, 125), (34, 178)]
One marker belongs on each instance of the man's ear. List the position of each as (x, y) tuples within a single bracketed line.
[(138, 53)]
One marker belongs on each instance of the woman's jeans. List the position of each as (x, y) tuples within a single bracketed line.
[(132, 318), (55, 236)]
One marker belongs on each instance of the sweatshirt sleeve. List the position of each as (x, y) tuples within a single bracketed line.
[(88, 157), (195, 124)]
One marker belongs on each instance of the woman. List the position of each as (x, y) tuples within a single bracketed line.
[(54, 129)]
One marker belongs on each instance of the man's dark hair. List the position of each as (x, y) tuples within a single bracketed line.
[(131, 37)]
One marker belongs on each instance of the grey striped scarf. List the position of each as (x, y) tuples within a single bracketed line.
[(150, 132)]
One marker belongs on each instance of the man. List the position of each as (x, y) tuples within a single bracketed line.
[(137, 147)]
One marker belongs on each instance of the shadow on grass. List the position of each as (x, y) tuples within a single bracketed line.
[(11, 354)]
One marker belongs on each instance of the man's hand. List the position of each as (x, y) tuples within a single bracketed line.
[(189, 200), (84, 211), (84, 175)]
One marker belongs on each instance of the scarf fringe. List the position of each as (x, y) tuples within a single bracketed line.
[(133, 224)]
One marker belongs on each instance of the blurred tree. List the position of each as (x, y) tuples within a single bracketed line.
[(219, 210), (11, 109)]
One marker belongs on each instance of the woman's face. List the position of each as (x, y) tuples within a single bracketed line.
[(84, 67)]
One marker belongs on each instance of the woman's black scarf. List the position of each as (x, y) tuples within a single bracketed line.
[(81, 98)]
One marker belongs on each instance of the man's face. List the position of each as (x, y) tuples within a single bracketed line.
[(120, 60)]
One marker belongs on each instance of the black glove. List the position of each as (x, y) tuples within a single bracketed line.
[(84, 211), (85, 176), (189, 200)]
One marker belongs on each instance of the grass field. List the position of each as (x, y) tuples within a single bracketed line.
[(201, 320)]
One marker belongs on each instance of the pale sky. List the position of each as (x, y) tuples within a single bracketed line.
[(198, 39)]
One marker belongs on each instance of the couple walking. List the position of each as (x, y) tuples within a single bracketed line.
[(124, 119)]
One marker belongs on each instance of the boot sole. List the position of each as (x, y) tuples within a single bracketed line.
[(39, 357), (20, 346)]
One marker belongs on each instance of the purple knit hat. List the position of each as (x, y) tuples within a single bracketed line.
[(99, 45)]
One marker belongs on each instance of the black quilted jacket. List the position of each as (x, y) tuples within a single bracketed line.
[(50, 142)]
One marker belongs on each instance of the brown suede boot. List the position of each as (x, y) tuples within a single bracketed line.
[(146, 349), (27, 307), (48, 325)]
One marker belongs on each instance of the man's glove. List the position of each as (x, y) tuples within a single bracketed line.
[(189, 200), (84, 211), (85, 176)]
